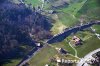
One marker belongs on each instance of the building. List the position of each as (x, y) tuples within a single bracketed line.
[(76, 40), (62, 51), (39, 45), (46, 65)]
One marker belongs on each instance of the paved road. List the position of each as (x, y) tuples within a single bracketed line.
[(87, 57), (30, 55)]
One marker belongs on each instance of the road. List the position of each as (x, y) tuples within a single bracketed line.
[(30, 55), (87, 57)]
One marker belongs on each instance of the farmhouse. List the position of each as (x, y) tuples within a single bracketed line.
[(76, 40)]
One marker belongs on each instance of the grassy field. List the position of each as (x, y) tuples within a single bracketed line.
[(33, 2), (42, 58), (89, 45), (97, 27), (91, 9), (58, 26), (13, 62), (67, 19), (86, 37), (90, 4), (64, 45), (73, 8), (68, 15)]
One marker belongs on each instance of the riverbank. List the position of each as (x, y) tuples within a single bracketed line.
[(61, 36)]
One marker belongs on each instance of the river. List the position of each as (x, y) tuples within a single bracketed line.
[(61, 36)]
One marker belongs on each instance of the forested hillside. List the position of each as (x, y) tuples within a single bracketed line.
[(20, 28)]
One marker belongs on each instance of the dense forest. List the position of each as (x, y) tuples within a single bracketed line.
[(20, 26)]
